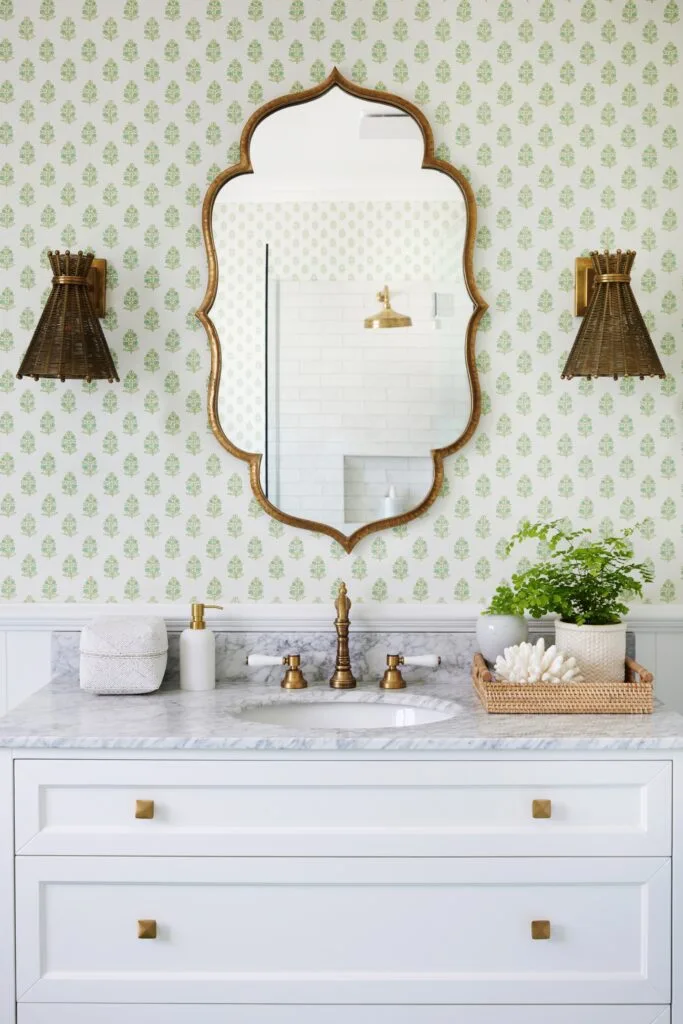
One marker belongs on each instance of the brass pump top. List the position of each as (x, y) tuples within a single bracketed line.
[(198, 615)]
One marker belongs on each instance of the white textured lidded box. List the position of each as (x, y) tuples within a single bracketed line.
[(123, 654)]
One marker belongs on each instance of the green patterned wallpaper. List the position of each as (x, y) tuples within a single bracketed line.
[(115, 115)]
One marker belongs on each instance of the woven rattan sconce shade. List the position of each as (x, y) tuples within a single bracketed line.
[(613, 340), (68, 342)]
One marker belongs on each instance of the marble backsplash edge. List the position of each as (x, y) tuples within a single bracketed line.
[(368, 654)]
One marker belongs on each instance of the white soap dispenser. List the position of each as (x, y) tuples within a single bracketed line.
[(198, 652), (392, 504)]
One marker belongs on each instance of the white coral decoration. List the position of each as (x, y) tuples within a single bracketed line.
[(531, 663)]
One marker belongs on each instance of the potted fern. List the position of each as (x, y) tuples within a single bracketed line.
[(585, 581)]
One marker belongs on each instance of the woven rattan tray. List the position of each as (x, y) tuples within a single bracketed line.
[(633, 696)]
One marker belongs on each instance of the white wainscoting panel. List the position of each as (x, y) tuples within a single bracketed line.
[(7, 958), (3, 673), (27, 663), (667, 665)]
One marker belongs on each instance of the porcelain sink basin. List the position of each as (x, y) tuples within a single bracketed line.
[(345, 714)]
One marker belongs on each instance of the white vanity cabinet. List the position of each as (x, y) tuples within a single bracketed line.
[(324, 888)]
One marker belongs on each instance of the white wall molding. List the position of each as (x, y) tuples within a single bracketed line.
[(432, 618)]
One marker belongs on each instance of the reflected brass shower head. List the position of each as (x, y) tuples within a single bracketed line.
[(387, 317)]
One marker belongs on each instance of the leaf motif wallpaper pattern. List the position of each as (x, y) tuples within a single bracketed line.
[(116, 114)]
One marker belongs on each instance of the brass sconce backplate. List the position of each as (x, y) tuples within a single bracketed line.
[(97, 287), (584, 280)]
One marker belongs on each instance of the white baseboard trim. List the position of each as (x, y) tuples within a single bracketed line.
[(238, 618)]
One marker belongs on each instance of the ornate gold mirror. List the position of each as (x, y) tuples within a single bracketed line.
[(343, 309)]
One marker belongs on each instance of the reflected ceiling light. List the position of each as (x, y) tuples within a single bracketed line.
[(68, 342), (387, 317), (613, 340)]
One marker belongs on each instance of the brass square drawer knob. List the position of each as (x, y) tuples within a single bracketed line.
[(144, 808), (147, 929), (541, 808), (540, 929)]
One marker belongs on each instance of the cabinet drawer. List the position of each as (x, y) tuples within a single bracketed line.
[(354, 808), (72, 1013), (343, 930)]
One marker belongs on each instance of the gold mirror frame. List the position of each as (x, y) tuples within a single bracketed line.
[(429, 162)]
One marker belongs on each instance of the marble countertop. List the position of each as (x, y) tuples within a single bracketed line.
[(61, 716)]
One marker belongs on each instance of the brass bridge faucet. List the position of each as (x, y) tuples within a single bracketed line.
[(342, 678)]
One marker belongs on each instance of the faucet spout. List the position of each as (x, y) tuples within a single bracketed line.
[(342, 678)]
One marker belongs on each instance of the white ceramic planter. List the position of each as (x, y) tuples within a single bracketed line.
[(496, 632), (599, 650)]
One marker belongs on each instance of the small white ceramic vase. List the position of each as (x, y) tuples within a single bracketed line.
[(496, 632), (599, 650)]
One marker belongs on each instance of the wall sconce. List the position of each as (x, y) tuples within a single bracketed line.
[(387, 317), (68, 342), (613, 340)]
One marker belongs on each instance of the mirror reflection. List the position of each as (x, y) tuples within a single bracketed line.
[(342, 311)]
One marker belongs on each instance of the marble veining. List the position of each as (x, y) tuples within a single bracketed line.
[(61, 716), (317, 649), (368, 651)]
